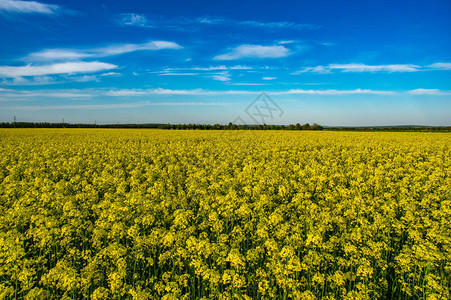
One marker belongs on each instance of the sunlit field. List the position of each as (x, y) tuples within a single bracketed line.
[(151, 214)]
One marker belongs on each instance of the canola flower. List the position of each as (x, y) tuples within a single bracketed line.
[(155, 214)]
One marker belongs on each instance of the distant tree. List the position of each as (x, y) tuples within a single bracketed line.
[(316, 127)]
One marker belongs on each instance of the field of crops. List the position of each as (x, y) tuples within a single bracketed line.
[(151, 214)]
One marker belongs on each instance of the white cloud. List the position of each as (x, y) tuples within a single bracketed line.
[(57, 54), (122, 93), (359, 68), (333, 92), (317, 69), (177, 74), (111, 74), (46, 80), (269, 78), (126, 48), (162, 91), (68, 93), (16, 6), (433, 92), (249, 84), (74, 54), (132, 19), (190, 24), (222, 76), (60, 95), (284, 42), (254, 51), (278, 25), (84, 78), (441, 66), (202, 92), (374, 68), (210, 68), (57, 68), (113, 105)]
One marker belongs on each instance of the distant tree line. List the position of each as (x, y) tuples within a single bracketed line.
[(232, 126), (392, 128), (229, 126)]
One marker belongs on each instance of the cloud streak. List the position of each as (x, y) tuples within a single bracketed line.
[(332, 92), (117, 49), (211, 68), (182, 23), (57, 68), (202, 92), (440, 66), (254, 51), (360, 68), (138, 104), (95, 93), (30, 7), (132, 19), (432, 92)]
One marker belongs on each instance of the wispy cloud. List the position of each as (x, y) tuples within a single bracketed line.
[(222, 76), (74, 94), (126, 48), (440, 66), (201, 92), (220, 73), (433, 92), (254, 51), (332, 92), (373, 68), (57, 68), (111, 74), (116, 49), (278, 25), (183, 23), (66, 94), (33, 7), (212, 68), (132, 19), (317, 69), (247, 83), (162, 91), (177, 73), (284, 42), (112, 105), (359, 68), (269, 78), (57, 54)]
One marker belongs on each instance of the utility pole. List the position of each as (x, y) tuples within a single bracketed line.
[(14, 121)]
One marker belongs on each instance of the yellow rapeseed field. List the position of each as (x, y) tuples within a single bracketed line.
[(160, 214)]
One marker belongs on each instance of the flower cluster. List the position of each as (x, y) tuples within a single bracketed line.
[(152, 214)]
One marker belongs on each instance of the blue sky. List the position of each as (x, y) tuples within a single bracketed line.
[(330, 62)]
